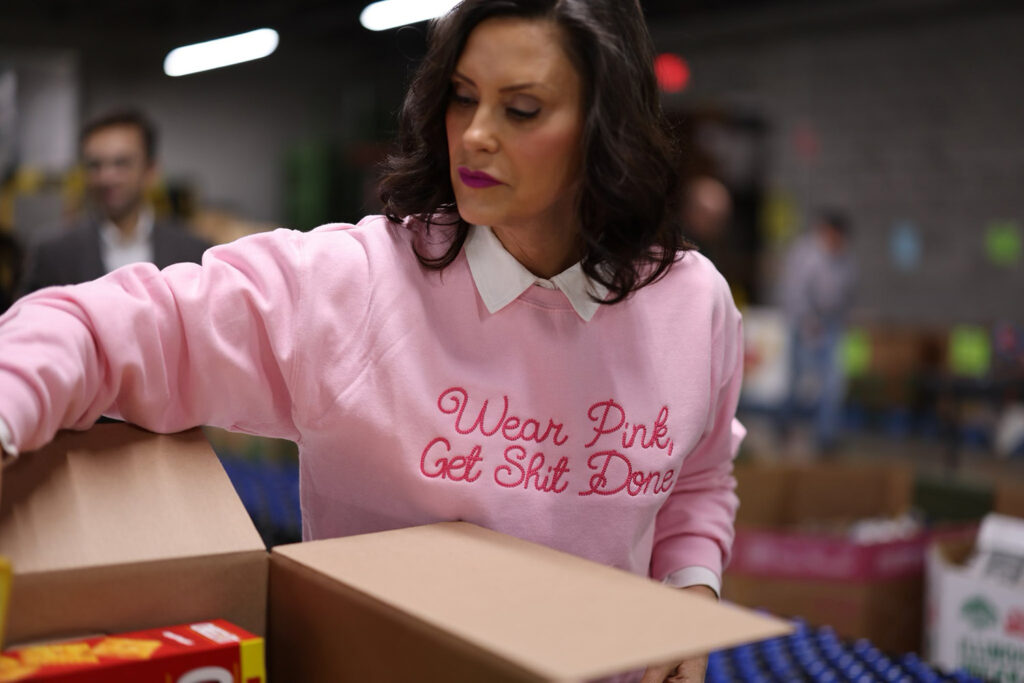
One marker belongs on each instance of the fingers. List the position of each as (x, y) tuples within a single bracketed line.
[(690, 671), (658, 674)]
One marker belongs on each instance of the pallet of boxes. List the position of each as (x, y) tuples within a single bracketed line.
[(832, 543), (133, 560)]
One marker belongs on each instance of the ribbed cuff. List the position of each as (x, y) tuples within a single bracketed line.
[(10, 452), (694, 576)]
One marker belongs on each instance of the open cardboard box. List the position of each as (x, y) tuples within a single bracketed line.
[(870, 591), (455, 602), (117, 529), (974, 622)]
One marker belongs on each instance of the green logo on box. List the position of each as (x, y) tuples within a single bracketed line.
[(979, 613)]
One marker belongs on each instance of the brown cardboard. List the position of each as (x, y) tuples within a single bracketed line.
[(456, 602), (1009, 498), (117, 529), (872, 591)]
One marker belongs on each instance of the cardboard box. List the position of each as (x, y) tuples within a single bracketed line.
[(117, 529), (205, 652), (870, 591), (973, 622), (454, 602)]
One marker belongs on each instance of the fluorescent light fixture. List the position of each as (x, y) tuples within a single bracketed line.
[(380, 16), (213, 54)]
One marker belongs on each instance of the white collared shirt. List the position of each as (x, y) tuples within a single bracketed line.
[(117, 250), (501, 279)]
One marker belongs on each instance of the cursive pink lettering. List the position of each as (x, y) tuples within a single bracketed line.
[(613, 472), (609, 412), (455, 468), (610, 418), (454, 401), (517, 472)]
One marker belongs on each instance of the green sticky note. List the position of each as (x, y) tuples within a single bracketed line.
[(855, 352), (970, 351), (1003, 243)]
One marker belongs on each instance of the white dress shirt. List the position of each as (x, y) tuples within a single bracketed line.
[(118, 250)]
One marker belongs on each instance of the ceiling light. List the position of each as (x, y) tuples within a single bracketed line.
[(380, 16), (214, 54)]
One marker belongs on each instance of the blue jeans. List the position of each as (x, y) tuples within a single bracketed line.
[(816, 356)]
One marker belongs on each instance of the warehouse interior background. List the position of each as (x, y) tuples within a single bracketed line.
[(904, 114)]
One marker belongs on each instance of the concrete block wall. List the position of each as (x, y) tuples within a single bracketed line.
[(918, 111)]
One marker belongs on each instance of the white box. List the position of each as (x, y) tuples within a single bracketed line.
[(972, 622)]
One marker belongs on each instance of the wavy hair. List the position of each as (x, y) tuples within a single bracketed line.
[(627, 193)]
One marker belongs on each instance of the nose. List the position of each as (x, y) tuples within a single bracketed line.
[(481, 134)]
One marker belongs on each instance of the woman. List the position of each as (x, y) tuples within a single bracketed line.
[(521, 342)]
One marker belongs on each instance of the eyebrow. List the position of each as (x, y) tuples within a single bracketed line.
[(508, 88)]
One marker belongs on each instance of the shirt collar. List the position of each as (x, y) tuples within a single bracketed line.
[(501, 279), (113, 237)]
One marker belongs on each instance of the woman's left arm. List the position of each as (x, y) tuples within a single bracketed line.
[(694, 527)]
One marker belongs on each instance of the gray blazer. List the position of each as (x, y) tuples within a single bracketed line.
[(75, 256)]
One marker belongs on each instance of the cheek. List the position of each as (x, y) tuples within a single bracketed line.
[(553, 155), (452, 131)]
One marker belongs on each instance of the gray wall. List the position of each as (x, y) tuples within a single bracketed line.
[(919, 112)]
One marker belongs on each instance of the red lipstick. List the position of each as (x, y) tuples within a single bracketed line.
[(477, 179)]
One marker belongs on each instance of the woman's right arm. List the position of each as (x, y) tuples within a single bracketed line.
[(167, 350)]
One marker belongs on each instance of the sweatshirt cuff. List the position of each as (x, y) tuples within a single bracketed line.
[(10, 452), (694, 576)]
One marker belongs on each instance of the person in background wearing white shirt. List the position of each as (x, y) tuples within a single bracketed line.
[(118, 152), (817, 289)]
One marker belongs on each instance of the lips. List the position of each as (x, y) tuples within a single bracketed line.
[(477, 179)]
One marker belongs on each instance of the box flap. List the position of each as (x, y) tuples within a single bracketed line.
[(116, 495), (560, 616)]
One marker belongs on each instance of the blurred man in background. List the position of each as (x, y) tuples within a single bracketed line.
[(118, 153), (817, 285)]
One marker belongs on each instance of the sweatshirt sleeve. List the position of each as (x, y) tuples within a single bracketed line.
[(167, 350), (695, 525)]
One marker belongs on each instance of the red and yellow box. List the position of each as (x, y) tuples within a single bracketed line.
[(206, 652)]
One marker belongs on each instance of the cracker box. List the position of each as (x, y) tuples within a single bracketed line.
[(206, 652)]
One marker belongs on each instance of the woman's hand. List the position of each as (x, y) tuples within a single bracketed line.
[(690, 670)]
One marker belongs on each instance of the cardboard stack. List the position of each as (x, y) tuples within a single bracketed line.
[(117, 530), (786, 560)]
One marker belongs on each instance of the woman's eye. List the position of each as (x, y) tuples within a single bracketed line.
[(522, 113), (462, 100)]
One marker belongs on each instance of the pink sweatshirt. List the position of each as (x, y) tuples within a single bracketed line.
[(410, 402)]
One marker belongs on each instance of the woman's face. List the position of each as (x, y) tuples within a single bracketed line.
[(514, 127)]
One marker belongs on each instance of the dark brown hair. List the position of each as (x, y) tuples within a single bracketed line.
[(629, 179), (124, 117)]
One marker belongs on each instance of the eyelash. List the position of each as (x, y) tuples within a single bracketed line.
[(463, 101)]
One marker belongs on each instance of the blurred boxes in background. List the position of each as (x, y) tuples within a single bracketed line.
[(793, 554), (460, 603), (117, 529), (975, 595)]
